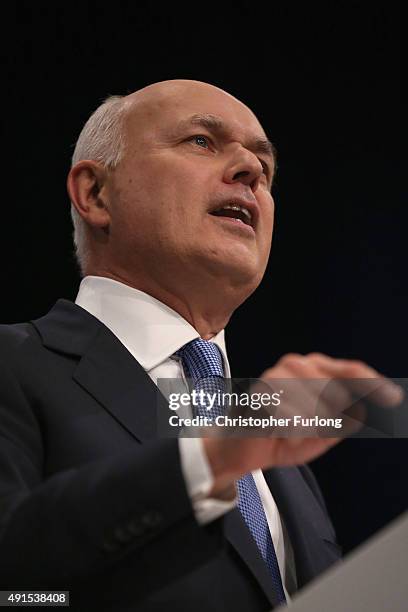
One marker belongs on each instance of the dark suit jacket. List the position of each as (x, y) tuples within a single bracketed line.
[(93, 501)]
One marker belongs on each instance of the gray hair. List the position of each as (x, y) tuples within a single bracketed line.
[(102, 140)]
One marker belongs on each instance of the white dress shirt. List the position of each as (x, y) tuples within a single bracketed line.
[(152, 332)]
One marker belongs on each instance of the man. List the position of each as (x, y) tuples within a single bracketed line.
[(173, 213)]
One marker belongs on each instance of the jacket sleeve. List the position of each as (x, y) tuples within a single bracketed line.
[(129, 513)]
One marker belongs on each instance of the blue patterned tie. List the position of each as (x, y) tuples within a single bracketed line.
[(202, 363)]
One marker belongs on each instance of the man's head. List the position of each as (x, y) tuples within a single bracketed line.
[(165, 159)]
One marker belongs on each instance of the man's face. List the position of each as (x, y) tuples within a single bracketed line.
[(192, 149)]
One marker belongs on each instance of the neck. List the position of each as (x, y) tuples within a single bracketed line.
[(206, 309)]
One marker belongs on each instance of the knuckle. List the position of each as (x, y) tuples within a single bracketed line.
[(316, 355), (358, 363), (355, 364), (267, 373), (291, 359), (351, 370)]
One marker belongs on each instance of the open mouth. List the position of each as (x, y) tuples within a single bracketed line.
[(234, 211)]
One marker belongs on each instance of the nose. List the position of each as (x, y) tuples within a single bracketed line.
[(244, 168)]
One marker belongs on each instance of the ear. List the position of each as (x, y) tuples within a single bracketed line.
[(86, 184)]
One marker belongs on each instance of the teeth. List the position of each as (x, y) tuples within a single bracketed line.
[(241, 208)]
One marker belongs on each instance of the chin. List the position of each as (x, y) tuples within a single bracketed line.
[(247, 277), (234, 268)]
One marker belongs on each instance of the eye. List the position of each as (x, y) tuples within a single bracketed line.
[(200, 140), (265, 167)]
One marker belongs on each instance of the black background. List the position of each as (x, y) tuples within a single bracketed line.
[(326, 83)]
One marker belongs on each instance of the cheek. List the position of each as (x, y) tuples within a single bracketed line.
[(271, 219), (159, 198), (267, 216)]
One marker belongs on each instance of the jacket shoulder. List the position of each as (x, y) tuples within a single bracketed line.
[(13, 337)]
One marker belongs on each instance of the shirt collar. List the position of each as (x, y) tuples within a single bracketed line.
[(151, 331)]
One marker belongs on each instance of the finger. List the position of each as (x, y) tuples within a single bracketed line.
[(331, 396), (297, 399), (361, 379), (354, 419), (308, 389)]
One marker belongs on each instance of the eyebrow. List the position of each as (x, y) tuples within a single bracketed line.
[(261, 146)]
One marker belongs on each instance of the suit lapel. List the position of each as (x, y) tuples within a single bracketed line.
[(309, 530), (239, 536), (117, 381), (106, 370)]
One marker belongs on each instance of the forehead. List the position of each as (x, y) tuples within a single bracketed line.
[(159, 112)]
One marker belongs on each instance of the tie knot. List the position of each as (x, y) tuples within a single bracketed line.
[(201, 359)]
